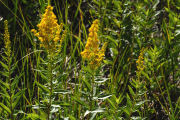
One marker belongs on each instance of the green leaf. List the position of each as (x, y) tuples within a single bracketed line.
[(146, 75), (88, 70), (5, 58), (5, 108), (38, 107), (55, 108), (140, 103), (6, 74), (13, 67), (24, 1), (61, 91), (71, 117), (99, 110), (131, 91), (112, 40), (43, 76), (114, 52), (177, 32), (34, 116), (101, 80), (42, 87), (126, 110), (87, 84), (4, 91), (65, 104), (16, 80), (6, 95), (19, 112), (136, 118), (102, 97), (4, 65), (17, 97), (96, 2), (118, 23), (111, 103), (108, 62), (81, 102), (129, 102), (4, 84)]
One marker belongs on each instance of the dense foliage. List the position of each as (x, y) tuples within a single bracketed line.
[(90, 59)]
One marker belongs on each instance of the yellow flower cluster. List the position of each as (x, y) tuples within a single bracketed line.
[(49, 30), (92, 53), (140, 61), (7, 39)]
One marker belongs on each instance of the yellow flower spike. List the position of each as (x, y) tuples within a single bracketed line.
[(34, 31), (96, 21), (41, 39), (91, 34), (37, 35), (49, 30), (7, 39), (140, 61), (92, 53)]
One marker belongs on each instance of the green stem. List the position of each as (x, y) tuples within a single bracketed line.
[(50, 63), (10, 93), (49, 2), (92, 93)]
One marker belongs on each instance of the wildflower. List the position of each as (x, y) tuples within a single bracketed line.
[(140, 61), (98, 56), (92, 53), (7, 39), (49, 30)]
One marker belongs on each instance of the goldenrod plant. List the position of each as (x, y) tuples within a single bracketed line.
[(140, 63), (50, 36), (94, 57), (92, 53), (10, 96), (49, 31)]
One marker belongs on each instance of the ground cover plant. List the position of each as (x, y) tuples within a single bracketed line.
[(89, 60)]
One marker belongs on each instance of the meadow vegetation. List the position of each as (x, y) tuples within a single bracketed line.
[(90, 59)]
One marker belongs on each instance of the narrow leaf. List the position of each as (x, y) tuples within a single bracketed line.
[(71, 117), (102, 97), (131, 91), (141, 103), (5, 58), (16, 80), (61, 91), (4, 65), (34, 116), (87, 84), (4, 84), (4, 74), (6, 96), (111, 103), (5, 108), (42, 87), (17, 97), (81, 102)]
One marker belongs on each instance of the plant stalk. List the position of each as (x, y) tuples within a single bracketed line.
[(50, 68)]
